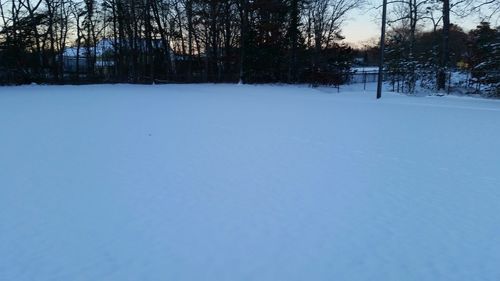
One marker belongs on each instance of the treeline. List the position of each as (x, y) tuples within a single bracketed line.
[(474, 60), (147, 41), (426, 50), (172, 40)]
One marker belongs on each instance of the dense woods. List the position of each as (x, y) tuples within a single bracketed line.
[(172, 40), (251, 41)]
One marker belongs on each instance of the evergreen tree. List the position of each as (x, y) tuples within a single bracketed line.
[(485, 57)]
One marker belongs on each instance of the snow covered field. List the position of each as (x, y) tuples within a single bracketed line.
[(225, 182)]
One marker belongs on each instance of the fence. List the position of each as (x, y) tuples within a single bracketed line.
[(485, 83)]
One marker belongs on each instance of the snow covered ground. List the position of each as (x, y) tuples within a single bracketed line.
[(226, 182)]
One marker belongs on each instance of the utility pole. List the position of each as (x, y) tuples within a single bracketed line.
[(382, 50)]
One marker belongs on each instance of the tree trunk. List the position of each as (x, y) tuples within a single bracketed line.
[(445, 51), (243, 39), (189, 15), (294, 22)]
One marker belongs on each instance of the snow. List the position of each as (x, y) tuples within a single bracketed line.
[(227, 182), (366, 69)]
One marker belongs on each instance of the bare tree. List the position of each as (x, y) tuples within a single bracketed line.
[(325, 18)]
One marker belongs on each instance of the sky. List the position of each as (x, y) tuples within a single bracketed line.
[(363, 26)]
